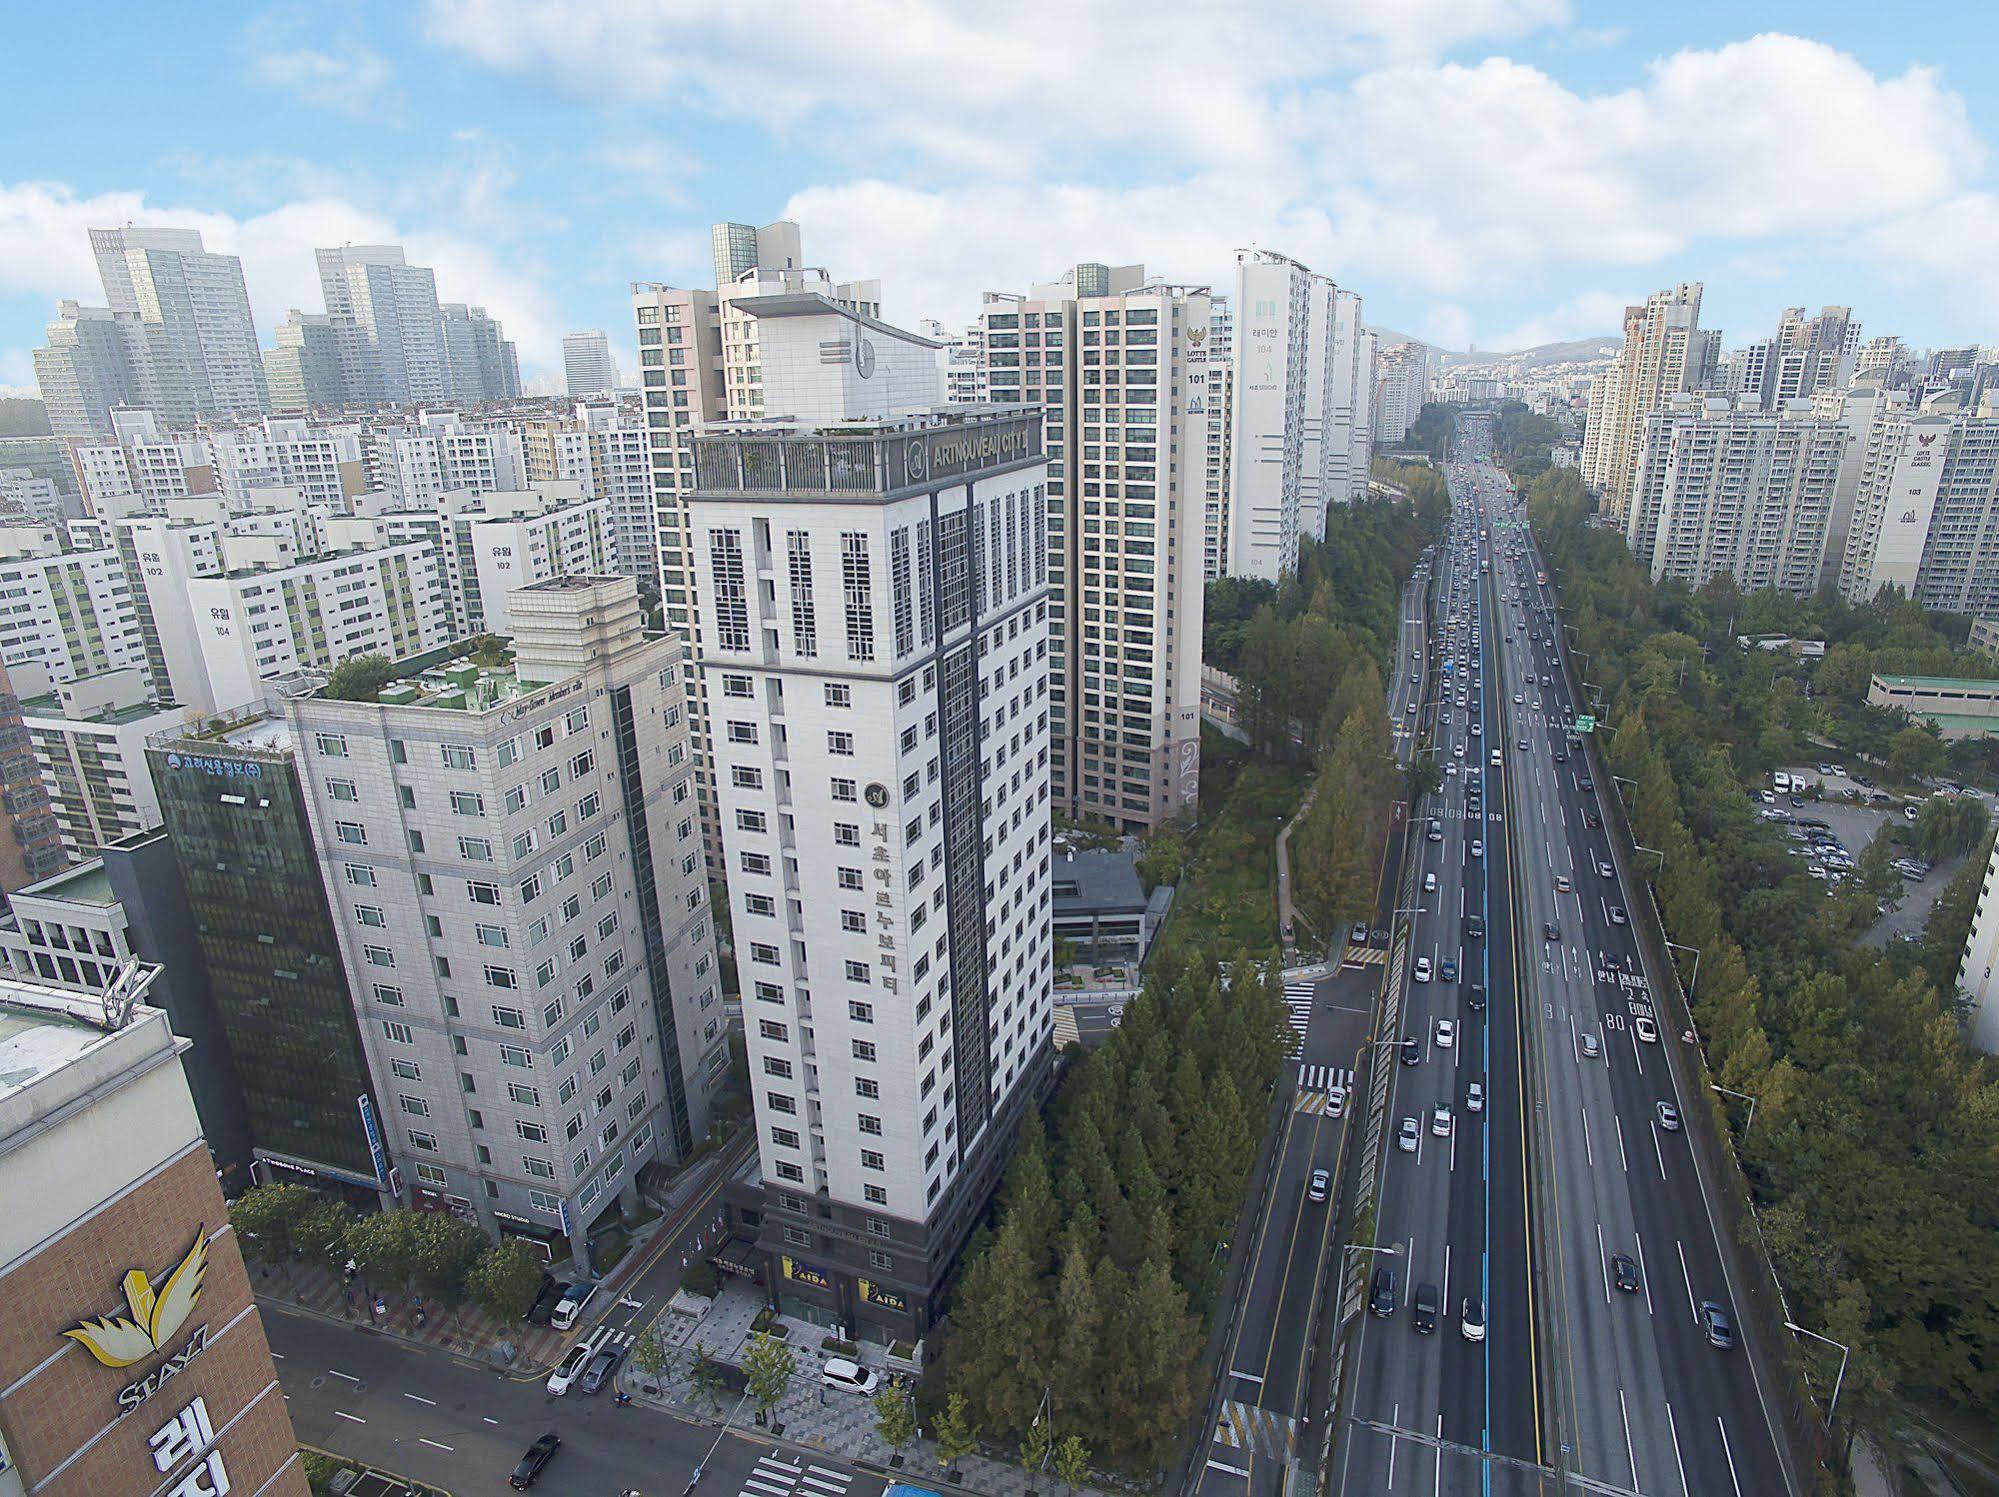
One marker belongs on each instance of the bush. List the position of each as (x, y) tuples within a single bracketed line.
[(359, 679)]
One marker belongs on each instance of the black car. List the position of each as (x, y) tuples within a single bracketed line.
[(1475, 997), (538, 1455), (1586, 782), (1552, 931), (1412, 1051), (1423, 1308), (1475, 927), (1624, 1274), (1381, 1299)]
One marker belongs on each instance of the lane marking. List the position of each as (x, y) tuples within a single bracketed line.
[(1693, 1306), (1728, 1455), (343, 1414), (1657, 1149), (1603, 1262), (419, 1398), (1215, 1465), (336, 1372), (1589, 1153), (1644, 1274), (1623, 1161), (1630, 1454), (1673, 1429), (433, 1444)]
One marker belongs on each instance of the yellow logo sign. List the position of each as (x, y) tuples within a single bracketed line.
[(118, 1341)]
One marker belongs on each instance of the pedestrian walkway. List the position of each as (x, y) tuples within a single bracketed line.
[(1325, 1078), (465, 1331), (1065, 1027), (1298, 1000), (775, 1476)]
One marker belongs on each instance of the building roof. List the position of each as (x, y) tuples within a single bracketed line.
[(87, 883), (45, 1028), (1097, 881), (1941, 683), (816, 304)]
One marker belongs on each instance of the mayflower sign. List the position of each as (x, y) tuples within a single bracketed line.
[(158, 1313)]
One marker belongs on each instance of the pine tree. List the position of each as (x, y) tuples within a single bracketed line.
[(1079, 1328), (1002, 1334)]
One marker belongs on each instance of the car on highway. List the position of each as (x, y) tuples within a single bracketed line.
[(1645, 1029), (1669, 1117), (1562, 884), (1617, 915), (1422, 972), (1552, 931), (1440, 1121), (1407, 1136), (1591, 1049), (1320, 1187), (1429, 883), (1447, 970), (1358, 935), (1522, 745), (1714, 1320), (1423, 1308), (1471, 1319), (1381, 1297), (1604, 870), (1624, 1273), (539, 1454), (1475, 997), (1519, 700), (1475, 1097), (599, 1372), (1584, 782), (1412, 1051), (569, 1369), (1436, 833), (1591, 819), (1447, 1034), (1477, 848), (1475, 927)]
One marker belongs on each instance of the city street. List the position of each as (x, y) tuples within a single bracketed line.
[(441, 1420)]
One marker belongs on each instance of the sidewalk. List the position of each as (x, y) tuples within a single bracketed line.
[(466, 1332), (811, 1416)]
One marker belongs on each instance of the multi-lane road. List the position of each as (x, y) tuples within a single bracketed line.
[(1581, 1375)]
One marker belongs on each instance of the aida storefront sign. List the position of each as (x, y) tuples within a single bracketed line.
[(806, 1273), (154, 1324)]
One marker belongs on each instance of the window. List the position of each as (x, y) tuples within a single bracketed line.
[(850, 878), (732, 608), (877, 1195), (864, 1050), (414, 1106), (755, 862), (857, 587), (533, 1133), (407, 1069), (541, 1169), (867, 1086), (746, 777), (860, 1013), (369, 914), (871, 1159), (475, 849), (423, 1140), (859, 972), (457, 756), (342, 790), (759, 904), (781, 1102), (480, 893), (855, 921), (333, 745), (397, 1033), (804, 616), (735, 686), (501, 977), (360, 874), (742, 732), (840, 743), (777, 1066), (526, 842), (847, 790), (784, 1138), (515, 799), (379, 956), (581, 765), (492, 935), (839, 694), (770, 1029), (527, 1096), (468, 803), (515, 1056), (589, 806), (509, 1018), (847, 834), (750, 821), (869, 1123), (352, 833), (388, 994), (576, 719)]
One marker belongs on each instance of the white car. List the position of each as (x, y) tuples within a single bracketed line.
[(1447, 1034), (1440, 1121), (570, 1368), (1477, 848), (1645, 1029), (839, 1372), (1422, 973), (1475, 1097), (1407, 1136)]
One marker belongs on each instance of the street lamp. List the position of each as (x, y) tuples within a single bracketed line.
[(1695, 979), (1844, 1350), (1744, 1096), (1393, 1250), (1641, 847)]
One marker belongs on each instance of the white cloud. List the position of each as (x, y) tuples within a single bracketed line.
[(980, 87), (1945, 250), (1588, 315), (354, 82), (45, 250)]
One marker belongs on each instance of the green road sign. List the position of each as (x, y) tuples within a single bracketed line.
[(1586, 724)]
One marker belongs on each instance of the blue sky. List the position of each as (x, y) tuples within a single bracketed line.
[(1504, 171)]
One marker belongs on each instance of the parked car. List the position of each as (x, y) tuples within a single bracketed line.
[(574, 1298), (599, 1372), (539, 1454), (841, 1372), (569, 1369)]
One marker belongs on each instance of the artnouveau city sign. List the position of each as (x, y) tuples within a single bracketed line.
[(157, 1315)]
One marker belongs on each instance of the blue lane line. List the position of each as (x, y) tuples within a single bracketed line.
[(1485, 1065)]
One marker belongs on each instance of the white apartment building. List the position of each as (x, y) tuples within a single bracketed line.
[(1215, 376), (1401, 386), (440, 451), (515, 540), (961, 361), (514, 872), (875, 645), (1653, 364), (256, 624), (89, 740), (1856, 408), (203, 343), (480, 360), (1926, 514), (602, 446), (1340, 383), (323, 463), (586, 364), (1274, 304), (71, 612), (141, 465), (1743, 492), (1109, 359), (1975, 972), (394, 306)]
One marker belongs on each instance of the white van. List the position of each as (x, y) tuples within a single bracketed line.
[(1782, 782), (839, 1372), (1495, 758)]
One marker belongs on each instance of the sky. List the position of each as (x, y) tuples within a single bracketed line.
[(1496, 173)]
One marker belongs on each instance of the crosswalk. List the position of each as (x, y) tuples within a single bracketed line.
[(1066, 1033), (1298, 1000), (1244, 1426), (776, 1477), (1325, 1078), (1366, 956)]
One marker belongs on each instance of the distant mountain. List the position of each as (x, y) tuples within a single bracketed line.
[(22, 417), (1545, 353)]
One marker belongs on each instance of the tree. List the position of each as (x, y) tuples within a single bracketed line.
[(1037, 1444), (385, 1245), (320, 1234), (952, 1432), (1915, 753), (895, 1420), (768, 1364), (1421, 778), (506, 1280), (443, 1250), (359, 678), (1072, 1462), (264, 1216), (707, 1376), (651, 1356)]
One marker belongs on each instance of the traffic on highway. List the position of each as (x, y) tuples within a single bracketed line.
[(1547, 1300)]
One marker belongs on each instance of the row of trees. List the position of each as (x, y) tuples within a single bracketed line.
[(1093, 1289), (448, 1258), (1872, 1156)]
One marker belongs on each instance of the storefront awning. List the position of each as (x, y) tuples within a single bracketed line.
[(737, 1256)]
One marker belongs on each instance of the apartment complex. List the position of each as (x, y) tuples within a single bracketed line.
[(89, 740), (1721, 490), (1401, 385), (70, 612), (586, 364), (1926, 509), (113, 1211), (875, 642), (176, 336), (513, 871), (1662, 355), (1109, 359), (1215, 379)]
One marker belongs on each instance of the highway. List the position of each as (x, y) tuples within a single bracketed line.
[(1275, 1370), (1435, 1410), (1640, 1400)]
